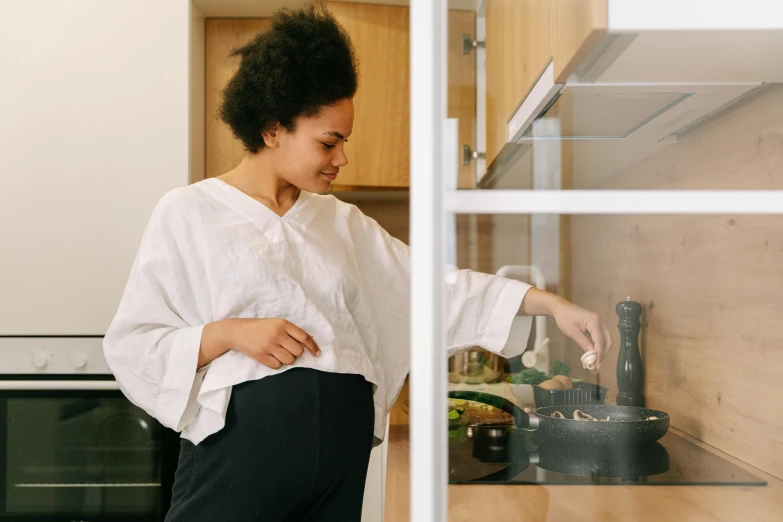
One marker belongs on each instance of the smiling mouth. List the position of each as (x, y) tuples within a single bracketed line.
[(329, 176)]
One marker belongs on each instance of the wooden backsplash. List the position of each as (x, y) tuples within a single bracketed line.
[(711, 286)]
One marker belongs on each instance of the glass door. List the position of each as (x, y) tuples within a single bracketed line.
[(88, 455), (657, 206)]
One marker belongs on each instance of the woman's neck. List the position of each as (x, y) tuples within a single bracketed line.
[(256, 177)]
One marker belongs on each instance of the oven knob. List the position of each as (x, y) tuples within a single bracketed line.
[(40, 360), (79, 360)]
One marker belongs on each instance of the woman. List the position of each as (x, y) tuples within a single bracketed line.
[(269, 324)]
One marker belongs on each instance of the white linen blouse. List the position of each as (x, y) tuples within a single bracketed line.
[(212, 252)]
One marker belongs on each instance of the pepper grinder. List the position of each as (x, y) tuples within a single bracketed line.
[(630, 371)]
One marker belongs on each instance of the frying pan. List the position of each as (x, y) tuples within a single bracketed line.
[(627, 424)]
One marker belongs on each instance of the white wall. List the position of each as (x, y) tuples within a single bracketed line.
[(94, 118)]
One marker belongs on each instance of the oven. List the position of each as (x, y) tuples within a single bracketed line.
[(72, 447)]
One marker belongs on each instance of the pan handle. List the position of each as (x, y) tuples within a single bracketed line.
[(521, 418)]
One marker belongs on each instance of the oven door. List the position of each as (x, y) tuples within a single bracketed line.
[(79, 451)]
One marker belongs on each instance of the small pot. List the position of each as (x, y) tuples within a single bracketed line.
[(475, 366)]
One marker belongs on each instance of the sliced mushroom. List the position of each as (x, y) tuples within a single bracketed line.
[(589, 359), (558, 415), (580, 415)]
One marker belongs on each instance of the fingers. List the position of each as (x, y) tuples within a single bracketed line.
[(282, 355), (577, 323), (581, 339), (290, 345), (590, 359), (303, 337), (598, 335), (602, 339), (609, 339), (269, 361)]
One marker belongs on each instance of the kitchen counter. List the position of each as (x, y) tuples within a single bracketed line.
[(536, 503)]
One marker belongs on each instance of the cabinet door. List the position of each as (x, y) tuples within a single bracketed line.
[(577, 25), (379, 149), (462, 89), (223, 150), (518, 47), (379, 154)]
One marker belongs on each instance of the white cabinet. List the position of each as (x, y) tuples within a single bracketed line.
[(375, 487)]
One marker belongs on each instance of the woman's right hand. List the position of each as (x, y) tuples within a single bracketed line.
[(271, 342)]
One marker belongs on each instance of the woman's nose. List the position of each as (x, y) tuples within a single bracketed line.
[(340, 159)]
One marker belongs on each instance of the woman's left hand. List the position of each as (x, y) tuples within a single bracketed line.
[(576, 322)]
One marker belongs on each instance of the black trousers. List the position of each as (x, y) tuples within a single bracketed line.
[(295, 447)]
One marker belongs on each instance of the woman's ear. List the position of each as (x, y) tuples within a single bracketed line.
[(271, 136)]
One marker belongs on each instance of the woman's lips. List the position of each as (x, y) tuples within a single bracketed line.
[(331, 177)]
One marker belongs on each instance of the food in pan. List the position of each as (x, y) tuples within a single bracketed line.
[(458, 414), (582, 416), (464, 412)]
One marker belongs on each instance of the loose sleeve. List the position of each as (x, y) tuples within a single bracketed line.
[(153, 342), (480, 308)]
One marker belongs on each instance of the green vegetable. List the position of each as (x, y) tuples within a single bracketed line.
[(527, 376), (533, 376), (458, 435), (453, 415), (561, 368)]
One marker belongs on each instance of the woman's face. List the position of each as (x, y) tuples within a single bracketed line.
[(310, 158)]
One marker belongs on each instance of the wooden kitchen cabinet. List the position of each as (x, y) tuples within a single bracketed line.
[(223, 151), (518, 49), (523, 36), (379, 149), (577, 25)]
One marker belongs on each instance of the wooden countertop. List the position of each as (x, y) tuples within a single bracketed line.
[(534, 503)]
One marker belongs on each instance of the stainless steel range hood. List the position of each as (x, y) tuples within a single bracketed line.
[(605, 127), (654, 74)]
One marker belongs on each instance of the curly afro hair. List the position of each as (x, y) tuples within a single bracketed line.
[(304, 62)]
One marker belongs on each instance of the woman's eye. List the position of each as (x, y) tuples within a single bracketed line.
[(328, 145)]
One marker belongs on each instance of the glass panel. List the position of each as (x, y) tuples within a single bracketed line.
[(598, 114), (687, 396), (86, 456), (602, 138)]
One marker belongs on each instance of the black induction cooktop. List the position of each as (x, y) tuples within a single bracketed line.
[(506, 455)]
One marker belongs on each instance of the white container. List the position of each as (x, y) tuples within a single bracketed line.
[(523, 393)]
